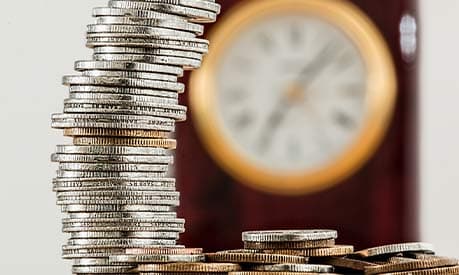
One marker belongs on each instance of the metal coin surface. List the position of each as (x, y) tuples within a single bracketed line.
[(84, 65), (289, 245), (262, 258), (313, 268), (190, 258), (396, 248), (288, 235), (189, 267)]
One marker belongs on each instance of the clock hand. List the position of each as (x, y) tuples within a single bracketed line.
[(317, 65), (272, 124), (277, 116), (307, 74)]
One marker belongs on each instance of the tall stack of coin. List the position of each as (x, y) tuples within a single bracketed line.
[(113, 180)]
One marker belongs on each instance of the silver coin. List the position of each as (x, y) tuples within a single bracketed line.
[(90, 253), (125, 82), (288, 235), (112, 174), (93, 96), (130, 74), (84, 65), (107, 11), (131, 103), (141, 200), (146, 227), (115, 235), (115, 184), (117, 242), (198, 4), (136, 29), (163, 224), (102, 269), (176, 112), (187, 63), (99, 253), (62, 121), (195, 15), (127, 201), (131, 159), (396, 248), (165, 23), (113, 167), (122, 215), (116, 207), (148, 51), (129, 109), (194, 45), (110, 150), (123, 91), (153, 198), (156, 258), (310, 268), (59, 188), (119, 194), (168, 220), (91, 262)]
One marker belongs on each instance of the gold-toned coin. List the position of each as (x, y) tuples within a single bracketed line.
[(432, 271), (346, 263), (289, 245), (262, 258), (411, 264), (132, 142), (163, 251), (275, 273), (100, 132), (189, 267), (182, 273), (337, 250)]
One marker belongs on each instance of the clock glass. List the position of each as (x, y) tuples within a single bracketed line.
[(291, 92)]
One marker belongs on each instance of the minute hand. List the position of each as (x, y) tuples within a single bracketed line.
[(317, 65)]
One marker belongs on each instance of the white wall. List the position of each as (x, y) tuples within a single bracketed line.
[(439, 163), (40, 41)]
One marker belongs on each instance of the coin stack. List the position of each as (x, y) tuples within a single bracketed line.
[(282, 252), (288, 252), (400, 259), (113, 181)]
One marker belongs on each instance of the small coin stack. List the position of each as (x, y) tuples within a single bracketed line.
[(296, 252), (282, 252), (399, 259), (123, 104)]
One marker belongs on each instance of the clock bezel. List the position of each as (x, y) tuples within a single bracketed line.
[(381, 95)]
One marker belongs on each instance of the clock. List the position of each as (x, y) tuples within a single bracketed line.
[(294, 96)]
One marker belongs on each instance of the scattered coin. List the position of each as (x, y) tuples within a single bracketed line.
[(395, 248)]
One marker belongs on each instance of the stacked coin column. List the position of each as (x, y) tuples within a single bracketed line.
[(113, 180)]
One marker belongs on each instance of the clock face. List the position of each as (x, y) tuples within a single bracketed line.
[(290, 92), (294, 95)]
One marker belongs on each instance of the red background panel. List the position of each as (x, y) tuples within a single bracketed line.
[(376, 205)]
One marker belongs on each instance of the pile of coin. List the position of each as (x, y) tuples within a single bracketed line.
[(401, 259), (113, 180), (282, 252), (286, 252)]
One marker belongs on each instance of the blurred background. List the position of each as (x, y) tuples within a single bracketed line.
[(401, 181)]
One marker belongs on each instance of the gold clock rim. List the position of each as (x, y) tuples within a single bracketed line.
[(381, 89)]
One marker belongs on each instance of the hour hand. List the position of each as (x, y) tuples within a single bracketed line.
[(272, 124)]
